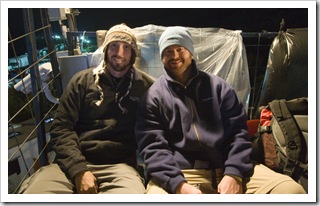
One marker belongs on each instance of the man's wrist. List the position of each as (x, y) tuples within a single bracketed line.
[(80, 174), (179, 187), (239, 179)]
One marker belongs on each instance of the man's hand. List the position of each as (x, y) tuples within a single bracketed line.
[(185, 188), (86, 183), (229, 185)]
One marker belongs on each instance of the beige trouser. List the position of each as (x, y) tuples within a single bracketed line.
[(263, 181), (112, 179)]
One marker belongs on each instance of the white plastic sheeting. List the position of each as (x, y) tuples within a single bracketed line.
[(218, 51)]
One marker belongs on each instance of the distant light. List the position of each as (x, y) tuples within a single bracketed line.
[(56, 37), (84, 39)]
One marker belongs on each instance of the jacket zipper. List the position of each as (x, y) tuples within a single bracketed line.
[(191, 108), (193, 124), (117, 89), (116, 96)]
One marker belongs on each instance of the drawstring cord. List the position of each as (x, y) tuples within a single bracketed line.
[(100, 71), (124, 110)]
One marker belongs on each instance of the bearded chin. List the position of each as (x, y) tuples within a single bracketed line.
[(117, 67)]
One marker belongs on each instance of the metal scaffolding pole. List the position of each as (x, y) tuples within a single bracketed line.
[(36, 83)]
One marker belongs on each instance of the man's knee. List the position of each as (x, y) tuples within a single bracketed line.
[(48, 179), (288, 187)]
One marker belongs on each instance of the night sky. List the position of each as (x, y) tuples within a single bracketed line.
[(245, 19)]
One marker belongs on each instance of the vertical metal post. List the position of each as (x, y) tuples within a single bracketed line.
[(36, 83), (255, 80), (71, 39), (70, 44), (53, 56)]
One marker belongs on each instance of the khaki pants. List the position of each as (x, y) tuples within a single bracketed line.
[(112, 179), (199, 178), (263, 181)]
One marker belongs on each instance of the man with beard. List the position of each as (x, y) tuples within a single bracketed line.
[(192, 133), (93, 129)]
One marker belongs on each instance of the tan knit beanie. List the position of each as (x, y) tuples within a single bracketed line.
[(121, 32)]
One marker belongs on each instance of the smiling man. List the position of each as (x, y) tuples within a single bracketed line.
[(192, 133), (93, 128)]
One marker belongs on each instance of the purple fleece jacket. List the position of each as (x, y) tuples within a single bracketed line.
[(177, 125)]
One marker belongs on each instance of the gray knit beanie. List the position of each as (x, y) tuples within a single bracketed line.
[(176, 35)]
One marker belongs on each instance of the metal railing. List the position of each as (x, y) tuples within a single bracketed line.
[(29, 112), (257, 47)]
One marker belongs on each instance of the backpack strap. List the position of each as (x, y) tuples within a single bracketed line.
[(291, 133)]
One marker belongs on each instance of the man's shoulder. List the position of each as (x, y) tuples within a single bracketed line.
[(158, 85), (214, 77), (88, 70), (84, 72)]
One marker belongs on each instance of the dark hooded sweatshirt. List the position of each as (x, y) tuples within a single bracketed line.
[(97, 127)]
